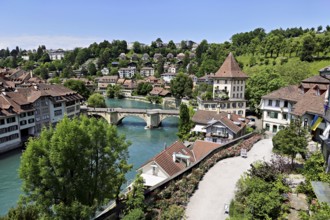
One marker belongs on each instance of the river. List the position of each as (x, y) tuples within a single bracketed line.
[(145, 145)]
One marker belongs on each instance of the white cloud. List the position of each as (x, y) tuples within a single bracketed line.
[(51, 42)]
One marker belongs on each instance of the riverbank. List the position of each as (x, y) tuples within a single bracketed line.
[(145, 145)]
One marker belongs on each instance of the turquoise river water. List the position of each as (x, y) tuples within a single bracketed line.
[(145, 145)]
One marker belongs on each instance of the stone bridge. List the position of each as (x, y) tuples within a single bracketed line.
[(153, 117)]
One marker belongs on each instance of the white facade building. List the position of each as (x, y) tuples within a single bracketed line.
[(127, 72), (228, 89)]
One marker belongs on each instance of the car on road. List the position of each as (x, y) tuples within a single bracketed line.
[(252, 121)]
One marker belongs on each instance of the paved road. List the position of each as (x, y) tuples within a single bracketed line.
[(218, 185)]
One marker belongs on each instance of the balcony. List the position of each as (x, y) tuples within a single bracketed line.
[(217, 134)]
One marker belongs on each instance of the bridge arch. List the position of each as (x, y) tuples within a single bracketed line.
[(99, 115), (120, 119)]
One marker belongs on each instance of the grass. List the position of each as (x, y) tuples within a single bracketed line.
[(314, 66)]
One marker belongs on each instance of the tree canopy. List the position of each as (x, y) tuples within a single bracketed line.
[(70, 171), (96, 100), (181, 86), (185, 123), (291, 140), (78, 86)]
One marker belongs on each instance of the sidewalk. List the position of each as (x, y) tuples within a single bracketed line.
[(218, 185)]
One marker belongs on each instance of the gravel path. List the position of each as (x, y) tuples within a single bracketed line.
[(218, 185)]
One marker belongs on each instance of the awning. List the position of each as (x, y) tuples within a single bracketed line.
[(199, 128), (151, 180)]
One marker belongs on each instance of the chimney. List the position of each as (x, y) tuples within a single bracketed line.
[(31, 73), (229, 116), (174, 157)]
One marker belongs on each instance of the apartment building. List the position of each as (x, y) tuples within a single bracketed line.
[(26, 111), (127, 72)]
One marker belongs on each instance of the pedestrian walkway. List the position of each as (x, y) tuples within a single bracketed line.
[(217, 188)]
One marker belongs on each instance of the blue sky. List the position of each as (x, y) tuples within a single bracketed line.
[(72, 23)]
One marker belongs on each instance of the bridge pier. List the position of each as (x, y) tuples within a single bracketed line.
[(153, 120)]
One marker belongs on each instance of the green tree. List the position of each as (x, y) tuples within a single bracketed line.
[(144, 88), (260, 83), (291, 140), (293, 72), (21, 211), (96, 100), (114, 91), (135, 197), (137, 47), (70, 171), (185, 123), (78, 86), (135, 214), (181, 86), (308, 48), (91, 69), (171, 45)]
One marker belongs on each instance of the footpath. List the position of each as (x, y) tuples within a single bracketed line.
[(217, 187)]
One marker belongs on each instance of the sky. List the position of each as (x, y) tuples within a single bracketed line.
[(68, 24)]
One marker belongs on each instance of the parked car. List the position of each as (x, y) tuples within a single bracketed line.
[(252, 121)]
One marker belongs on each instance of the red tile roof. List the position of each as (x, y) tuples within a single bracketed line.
[(201, 148), (165, 158), (230, 69)]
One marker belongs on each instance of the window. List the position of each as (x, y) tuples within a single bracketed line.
[(285, 104), (237, 88), (57, 105), (222, 105), (206, 106), (270, 102), (30, 113), (31, 120), (3, 130), (11, 120), (58, 112), (22, 122), (267, 127), (285, 116), (240, 95), (225, 81), (272, 114), (22, 115), (234, 104), (241, 88), (228, 105), (277, 104), (240, 112), (240, 104), (234, 88), (12, 128), (305, 122), (214, 140), (2, 121), (274, 128)]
